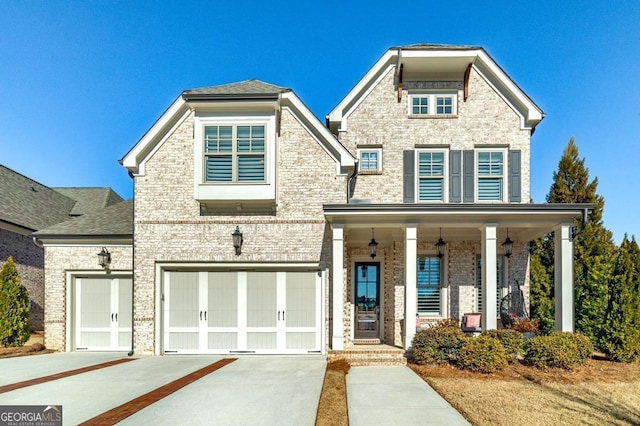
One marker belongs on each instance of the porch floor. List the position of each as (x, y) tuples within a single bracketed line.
[(370, 355)]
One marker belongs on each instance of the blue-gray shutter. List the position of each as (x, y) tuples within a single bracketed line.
[(409, 174), (468, 176), (515, 179), (455, 176)]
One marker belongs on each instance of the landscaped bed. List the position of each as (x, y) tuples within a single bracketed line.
[(33, 346)]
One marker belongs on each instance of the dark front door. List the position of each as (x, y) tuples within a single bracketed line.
[(367, 300)]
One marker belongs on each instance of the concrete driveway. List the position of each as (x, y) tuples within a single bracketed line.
[(256, 389)]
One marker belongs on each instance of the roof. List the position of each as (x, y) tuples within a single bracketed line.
[(30, 204), (112, 221), (247, 87), (435, 46), (89, 199)]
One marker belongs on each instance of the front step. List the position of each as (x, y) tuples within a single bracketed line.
[(370, 355)]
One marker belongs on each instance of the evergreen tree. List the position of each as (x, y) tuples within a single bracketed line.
[(620, 337), (14, 307)]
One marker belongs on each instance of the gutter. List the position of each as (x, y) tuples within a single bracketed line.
[(133, 260), (351, 178)]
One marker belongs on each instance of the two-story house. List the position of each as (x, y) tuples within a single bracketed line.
[(258, 229)]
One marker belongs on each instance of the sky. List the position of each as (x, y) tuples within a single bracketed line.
[(81, 82)]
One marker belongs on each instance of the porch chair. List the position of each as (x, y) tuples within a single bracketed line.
[(471, 323), (512, 307)]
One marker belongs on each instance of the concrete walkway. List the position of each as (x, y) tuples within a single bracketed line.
[(395, 395)]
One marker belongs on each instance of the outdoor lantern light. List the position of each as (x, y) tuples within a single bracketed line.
[(440, 246), (104, 258), (237, 240), (373, 246), (507, 246)]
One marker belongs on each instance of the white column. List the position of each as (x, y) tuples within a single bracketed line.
[(563, 265), (337, 280), (410, 284), (489, 277)]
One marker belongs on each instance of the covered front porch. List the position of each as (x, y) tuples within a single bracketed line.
[(381, 299)]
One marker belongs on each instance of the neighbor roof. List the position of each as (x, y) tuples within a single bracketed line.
[(90, 199), (247, 87), (30, 204), (113, 221)]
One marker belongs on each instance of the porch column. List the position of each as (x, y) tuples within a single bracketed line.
[(337, 280), (489, 277), (563, 278), (410, 285)]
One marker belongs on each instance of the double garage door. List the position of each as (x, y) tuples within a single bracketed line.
[(241, 312)]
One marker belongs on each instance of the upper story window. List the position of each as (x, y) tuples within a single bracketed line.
[(431, 175), (490, 175), (370, 160), (234, 153), (432, 104)]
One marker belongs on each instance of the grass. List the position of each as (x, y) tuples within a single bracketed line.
[(332, 408)]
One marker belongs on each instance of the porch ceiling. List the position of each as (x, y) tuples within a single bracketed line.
[(525, 222)]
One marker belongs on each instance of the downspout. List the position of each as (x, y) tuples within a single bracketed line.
[(351, 178), (133, 259), (38, 243), (585, 220)]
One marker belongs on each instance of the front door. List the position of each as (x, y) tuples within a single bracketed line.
[(367, 300)]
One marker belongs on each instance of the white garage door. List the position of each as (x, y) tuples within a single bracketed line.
[(231, 312), (102, 314)]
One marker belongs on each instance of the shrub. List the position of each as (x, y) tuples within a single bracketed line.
[(511, 340), (484, 354), (438, 344), (14, 307), (561, 350), (546, 325), (525, 325)]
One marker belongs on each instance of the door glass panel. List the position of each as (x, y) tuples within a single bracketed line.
[(367, 300), (184, 299), (301, 299), (261, 299), (124, 303), (223, 299), (95, 303)]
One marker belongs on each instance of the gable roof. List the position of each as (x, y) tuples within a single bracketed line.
[(89, 199), (115, 221), (249, 93), (439, 58), (29, 204)]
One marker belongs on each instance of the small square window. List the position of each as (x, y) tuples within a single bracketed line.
[(370, 160)]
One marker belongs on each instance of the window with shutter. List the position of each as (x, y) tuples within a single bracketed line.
[(431, 175), (429, 273), (490, 169)]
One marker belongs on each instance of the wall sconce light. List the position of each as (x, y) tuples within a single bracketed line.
[(237, 240), (507, 246), (440, 246), (373, 246), (104, 258)]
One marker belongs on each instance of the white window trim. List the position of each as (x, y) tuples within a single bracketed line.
[(253, 191), (445, 175), (444, 311), (377, 151), (432, 96), (505, 174)]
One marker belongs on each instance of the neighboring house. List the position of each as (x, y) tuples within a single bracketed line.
[(27, 206), (255, 225)]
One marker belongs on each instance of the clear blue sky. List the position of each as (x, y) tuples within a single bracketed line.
[(81, 82)]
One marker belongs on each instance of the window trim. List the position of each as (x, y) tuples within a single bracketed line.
[(445, 175), (378, 151), (432, 104), (505, 175), (234, 190)]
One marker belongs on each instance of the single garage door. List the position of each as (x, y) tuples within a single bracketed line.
[(102, 314), (241, 312)]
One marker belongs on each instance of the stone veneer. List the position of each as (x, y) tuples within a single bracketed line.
[(29, 260)]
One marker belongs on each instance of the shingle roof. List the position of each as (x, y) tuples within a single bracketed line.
[(434, 46), (29, 204), (89, 199), (115, 220), (247, 87)]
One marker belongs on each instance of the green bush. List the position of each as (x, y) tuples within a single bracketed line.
[(546, 325), (511, 340), (484, 354), (438, 344), (561, 350), (14, 307)]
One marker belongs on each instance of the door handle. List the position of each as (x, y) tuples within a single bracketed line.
[(111, 317), (116, 317), (282, 315), (205, 315), (278, 315), (200, 315)]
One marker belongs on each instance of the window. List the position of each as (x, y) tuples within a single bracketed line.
[(432, 104), (500, 280), (431, 175), (234, 153), (428, 283), (490, 175), (370, 160)]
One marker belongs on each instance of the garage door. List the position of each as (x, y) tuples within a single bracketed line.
[(246, 312), (102, 314)]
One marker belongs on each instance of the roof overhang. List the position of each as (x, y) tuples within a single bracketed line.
[(85, 240), (438, 64), (525, 222)]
